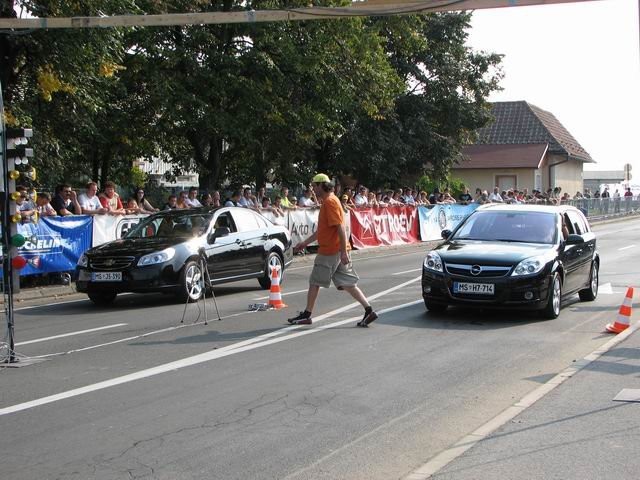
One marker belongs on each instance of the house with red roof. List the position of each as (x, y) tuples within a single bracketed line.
[(524, 147)]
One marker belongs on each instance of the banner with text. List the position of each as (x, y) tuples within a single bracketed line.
[(372, 227), (54, 244), (440, 217), (110, 227)]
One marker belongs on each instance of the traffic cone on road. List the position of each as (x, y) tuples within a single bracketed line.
[(624, 314), (275, 296)]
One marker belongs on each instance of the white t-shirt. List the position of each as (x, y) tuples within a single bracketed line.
[(305, 202), (360, 200), (195, 203), (87, 203)]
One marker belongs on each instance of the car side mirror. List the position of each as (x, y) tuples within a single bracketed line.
[(218, 232), (574, 239), (445, 234)]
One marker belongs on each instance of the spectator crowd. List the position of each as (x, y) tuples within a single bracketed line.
[(67, 201)]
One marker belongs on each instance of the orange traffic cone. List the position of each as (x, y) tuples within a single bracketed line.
[(275, 297), (624, 315)]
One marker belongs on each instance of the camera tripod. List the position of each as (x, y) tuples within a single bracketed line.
[(207, 284)]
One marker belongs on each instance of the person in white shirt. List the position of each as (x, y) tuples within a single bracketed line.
[(360, 200), (89, 201), (247, 200), (305, 201), (192, 198), (495, 196)]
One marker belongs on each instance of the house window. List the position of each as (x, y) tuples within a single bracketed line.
[(538, 181), (506, 182)]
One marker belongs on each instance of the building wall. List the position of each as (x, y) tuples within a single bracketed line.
[(567, 175), (487, 179)]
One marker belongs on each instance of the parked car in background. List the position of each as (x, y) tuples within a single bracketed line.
[(177, 251), (514, 257)]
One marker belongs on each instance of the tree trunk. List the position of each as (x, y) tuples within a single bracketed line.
[(209, 178)]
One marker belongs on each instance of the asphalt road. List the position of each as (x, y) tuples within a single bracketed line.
[(130, 392)]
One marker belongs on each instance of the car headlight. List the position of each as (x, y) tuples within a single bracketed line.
[(83, 261), (529, 266), (433, 262), (157, 257)]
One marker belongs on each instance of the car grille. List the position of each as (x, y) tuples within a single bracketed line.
[(485, 270), (111, 263)]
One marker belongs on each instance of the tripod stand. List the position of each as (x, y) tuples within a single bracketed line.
[(204, 281)]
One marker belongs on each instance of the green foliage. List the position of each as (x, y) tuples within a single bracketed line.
[(455, 185), (377, 98)]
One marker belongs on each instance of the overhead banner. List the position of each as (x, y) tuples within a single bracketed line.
[(54, 244), (111, 227), (373, 227), (442, 217)]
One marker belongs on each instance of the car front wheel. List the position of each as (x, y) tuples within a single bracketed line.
[(192, 284), (552, 309), (273, 261), (590, 294)]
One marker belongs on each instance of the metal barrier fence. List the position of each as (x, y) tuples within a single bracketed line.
[(605, 206)]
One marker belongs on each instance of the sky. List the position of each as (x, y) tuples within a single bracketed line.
[(579, 61)]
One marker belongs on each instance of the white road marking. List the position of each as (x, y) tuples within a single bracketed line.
[(135, 337), (70, 334), (408, 271), (605, 288), (283, 294), (250, 344), (626, 248), (444, 458)]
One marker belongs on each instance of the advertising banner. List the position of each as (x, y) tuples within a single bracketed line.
[(54, 244), (440, 217), (302, 223), (275, 219), (372, 227), (112, 227)]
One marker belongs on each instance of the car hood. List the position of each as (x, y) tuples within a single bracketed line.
[(489, 253), (132, 246)]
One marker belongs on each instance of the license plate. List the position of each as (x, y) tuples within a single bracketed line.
[(473, 288), (106, 276)]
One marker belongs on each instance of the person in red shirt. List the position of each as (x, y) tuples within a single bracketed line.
[(110, 200), (332, 263)]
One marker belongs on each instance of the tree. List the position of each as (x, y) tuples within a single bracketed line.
[(444, 101)]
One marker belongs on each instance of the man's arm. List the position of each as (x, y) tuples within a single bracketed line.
[(74, 201), (302, 245), (342, 235)]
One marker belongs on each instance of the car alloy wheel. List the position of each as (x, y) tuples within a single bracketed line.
[(273, 261), (192, 282), (590, 294), (554, 302)]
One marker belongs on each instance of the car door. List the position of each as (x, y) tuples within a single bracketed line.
[(585, 251), (224, 254), (570, 256), (253, 235)]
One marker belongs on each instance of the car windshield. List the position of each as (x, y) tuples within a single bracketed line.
[(505, 226), (169, 225)]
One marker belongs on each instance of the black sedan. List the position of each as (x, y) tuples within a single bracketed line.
[(515, 257), (167, 251)]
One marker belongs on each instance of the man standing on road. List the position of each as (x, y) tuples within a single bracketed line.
[(332, 261)]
